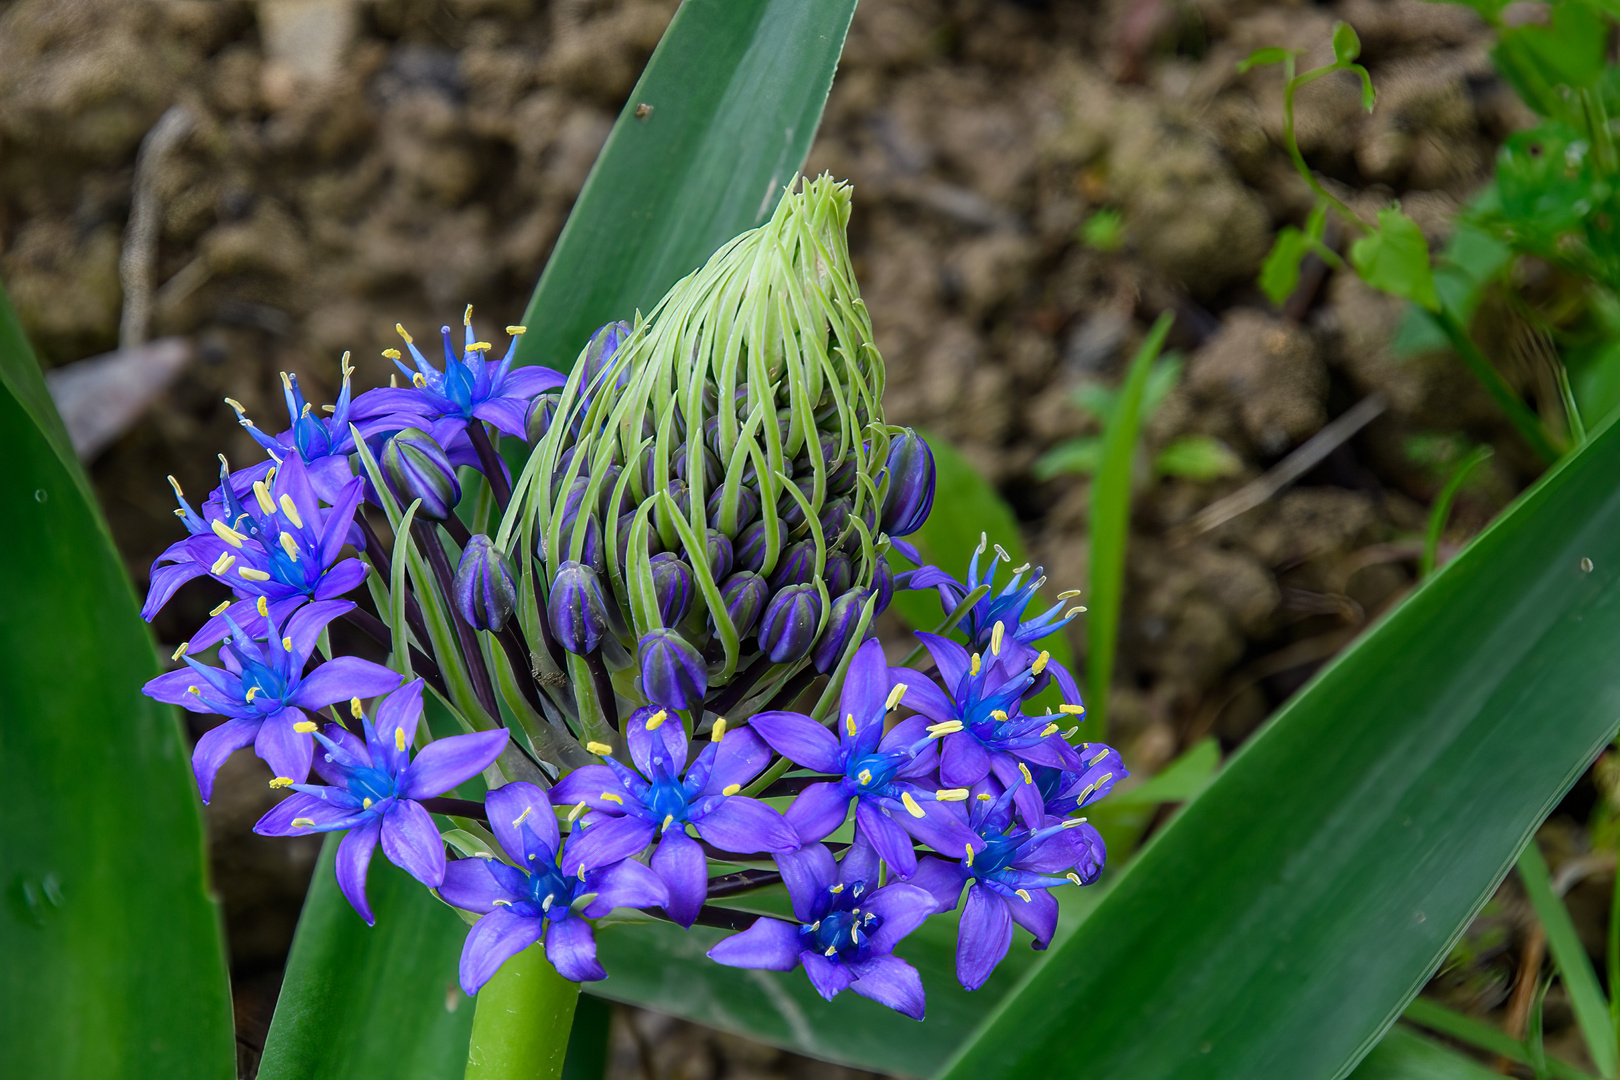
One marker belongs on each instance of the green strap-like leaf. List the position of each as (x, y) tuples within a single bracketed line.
[(719, 123), (1281, 923), (1403, 1054), (111, 960)]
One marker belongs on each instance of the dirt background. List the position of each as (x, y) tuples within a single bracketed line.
[(357, 162)]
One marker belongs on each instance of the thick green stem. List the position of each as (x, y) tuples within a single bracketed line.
[(520, 1031)]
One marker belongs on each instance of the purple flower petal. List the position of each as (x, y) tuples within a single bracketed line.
[(952, 660), (591, 785), (666, 742), (215, 746), (799, 739), (943, 881), (1054, 752), (469, 885), (740, 756), (307, 623), (889, 980), (680, 862), (1027, 796), (770, 945), (353, 858), (866, 690), (349, 745), (511, 807), (628, 884), (335, 529), (174, 688), (859, 862), (343, 578), (1038, 915), (746, 826), (806, 873), (526, 382), (941, 827), (507, 414), (963, 762), (412, 842), (923, 696), (892, 842), (287, 752), (985, 934), (492, 941), (166, 581), (342, 678), (321, 815), (571, 948), (903, 907), (605, 840), (818, 810), (446, 763), (826, 976), (400, 711)]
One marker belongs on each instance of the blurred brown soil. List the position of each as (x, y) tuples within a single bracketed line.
[(360, 162)]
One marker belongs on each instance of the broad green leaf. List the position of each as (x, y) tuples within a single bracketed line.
[(399, 976), (1279, 274), (1403, 1054), (1567, 52), (1346, 43), (1198, 457), (1395, 259), (113, 963), (1180, 781), (1282, 921), (1110, 527), (718, 124), (736, 92), (1261, 57)]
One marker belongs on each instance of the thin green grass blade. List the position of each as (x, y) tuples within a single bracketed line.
[(1585, 995), (1478, 1034), (1405, 1055), (1286, 917), (1442, 507), (112, 964)]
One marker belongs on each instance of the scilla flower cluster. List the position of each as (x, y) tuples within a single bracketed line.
[(647, 652)]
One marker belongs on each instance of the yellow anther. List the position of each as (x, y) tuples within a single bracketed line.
[(226, 533), (573, 815), (262, 607), (466, 316), (836, 889), (1078, 609), (1023, 894), (1103, 779), (865, 776), (545, 905), (418, 380), (1050, 729), (731, 789), (480, 346), (1072, 732), (176, 485), (1040, 662), (220, 608), (600, 749), (849, 724), (1074, 877), (365, 804), (669, 819), (1086, 793), (957, 794), (253, 692), (262, 493), (344, 365), (505, 903), (291, 512), (996, 635), (1099, 756), (895, 695), (718, 732), (286, 643), (1074, 823), (400, 330), (1068, 594), (181, 651), (354, 708), (281, 782), (307, 407), (1001, 552), (399, 739), (656, 720), (945, 727), (304, 727), (999, 714), (303, 823), (249, 574), (223, 563), (514, 330), (911, 805), (1023, 771), (608, 796), (285, 381), (521, 818), (289, 545), (194, 690), (391, 354), (1072, 710), (985, 796), (973, 665), (969, 854), (832, 950)]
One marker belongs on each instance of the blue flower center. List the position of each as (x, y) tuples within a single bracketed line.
[(549, 890), (310, 436), (256, 675), (666, 798), (843, 933), (998, 854), (872, 773), (458, 386), (369, 783)]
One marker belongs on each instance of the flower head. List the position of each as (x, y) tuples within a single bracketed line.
[(662, 795), (888, 775), (262, 688), (844, 932), (548, 893), (323, 442), (374, 790)]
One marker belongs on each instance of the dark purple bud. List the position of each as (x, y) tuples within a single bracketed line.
[(576, 608), (789, 626), (883, 582), (682, 496), (788, 507), (600, 353), (672, 584), (744, 594), (718, 550), (834, 518), (672, 673), (841, 622), (712, 473), (484, 587), (542, 412), (654, 544), (747, 506), (911, 485), (796, 567), (749, 550), (840, 470), (415, 467), (838, 573)]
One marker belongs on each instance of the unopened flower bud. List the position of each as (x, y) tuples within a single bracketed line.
[(416, 467), (749, 550), (718, 551), (788, 628), (655, 543), (883, 583), (838, 573), (712, 473), (672, 584), (600, 354), (542, 411), (911, 485), (484, 586), (841, 622), (672, 672), (747, 508), (744, 594), (797, 566), (576, 609), (791, 511)]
